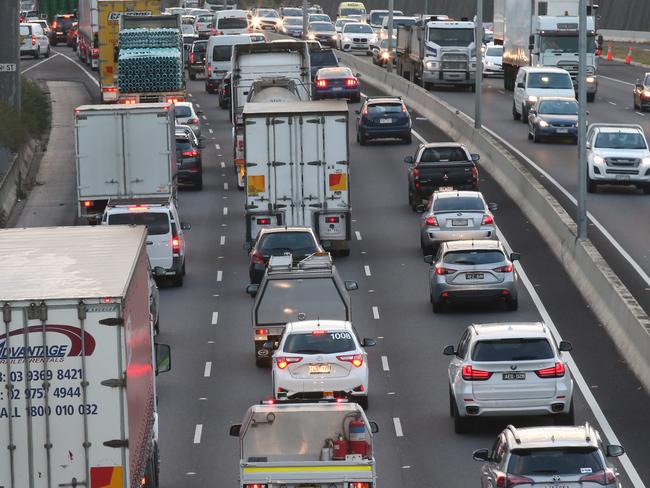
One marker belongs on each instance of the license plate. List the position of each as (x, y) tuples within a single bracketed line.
[(557, 486), (385, 121), (622, 177), (562, 131), (514, 376), (459, 222), (333, 229), (337, 88), (445, 188), (474, 276), (319, 369)]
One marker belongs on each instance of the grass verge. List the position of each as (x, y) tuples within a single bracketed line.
[(16, 129)]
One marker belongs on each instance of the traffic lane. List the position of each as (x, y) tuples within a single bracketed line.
[(626, 73)]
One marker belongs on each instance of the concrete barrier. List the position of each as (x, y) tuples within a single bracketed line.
[(625, 36), (624, 319), (13, 180)]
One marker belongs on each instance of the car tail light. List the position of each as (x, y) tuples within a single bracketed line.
[(471, 374), (504, 269), (604, 477), (193, 153), (350, 82), (556, 371), (55, 24), (33, 40), (176, 244), (209, 70), (138, 208), (321, 83), (365, 110), (487, 220), (404, 108), (88, 203), (256, 485), (262, 331), (284, 361), (416, 173), (192, 58), (110, 89), (432, 221), (514, 480), (193, 121), (257, 257), (355, 359), (264, 221), (440, 270), (318, 332), (474, 176), (359, 484), (172, 100), (331, 220)]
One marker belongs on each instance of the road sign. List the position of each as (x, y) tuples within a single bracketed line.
[(6, 67)]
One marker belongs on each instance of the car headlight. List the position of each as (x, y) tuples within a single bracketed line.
[(598, 160), (646, 161), (431, 65), (385, 55), (335, 36), (532, 98), (373, 39), (646, 93), (311, 36), (543, 123), (347, 39), (590, 79)]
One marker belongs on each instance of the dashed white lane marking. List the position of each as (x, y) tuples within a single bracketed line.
[(198, 106), (384, 363), (198, 430), (357, 234), (222, 241), (375, 312), (222, 164), (639, 113), (420, 118), (204, 117), (502, 92), (215, 318), (190, 95), (207, 371), (225, 210), (219, 275), (611, 103), (225, 186), (217, 146), (398, 427), (210, 131), (366, 269)]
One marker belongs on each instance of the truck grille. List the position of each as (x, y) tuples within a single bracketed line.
[(622, 162), (455, 62)]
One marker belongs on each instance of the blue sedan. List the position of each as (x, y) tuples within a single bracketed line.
[(383, 117), (553, 117), (336, 82)]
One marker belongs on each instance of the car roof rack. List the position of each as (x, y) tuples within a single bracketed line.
[(318, 260), (513, 430), (280, 263)]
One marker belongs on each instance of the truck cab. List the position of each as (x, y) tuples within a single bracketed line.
[(308, 290)]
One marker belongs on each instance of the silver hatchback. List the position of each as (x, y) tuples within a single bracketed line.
[(472, 271), (454, 216)]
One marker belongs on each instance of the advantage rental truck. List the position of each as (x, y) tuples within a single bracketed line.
[(297, 169), (306, 445), (123, 151), (77, 373)]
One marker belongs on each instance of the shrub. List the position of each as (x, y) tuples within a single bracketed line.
[(34, 120)]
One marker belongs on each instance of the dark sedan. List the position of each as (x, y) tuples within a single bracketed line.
[(642, 94), (189, 165), (383, 117), (336, 83), (553, 117), (325, 32)]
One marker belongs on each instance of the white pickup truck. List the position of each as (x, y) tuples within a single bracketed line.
[(306, 445)]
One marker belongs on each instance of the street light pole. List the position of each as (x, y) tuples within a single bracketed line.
[(305, 4), (389, 64), (478, 45), (10, 53), (581, 218)]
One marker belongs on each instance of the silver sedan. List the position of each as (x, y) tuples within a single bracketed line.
[(454, 216), (472, 271)]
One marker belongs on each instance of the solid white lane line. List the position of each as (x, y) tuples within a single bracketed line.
[(219, 275), (223, 165), (208, 369), (198, 430), (605, 427), (357, 234), (384, 363), (398, 427), (617, 80), (375, 312), (420, 138), (225, 186), (225, 210), (366, 269), (210, 131), (217, 146), (215, 318), (222, 240), (52, 56), (611, 103), (82, 67)]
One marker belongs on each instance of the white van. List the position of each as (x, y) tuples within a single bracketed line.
[(165, 239), (226, 22), (218, 58), (532, 83)]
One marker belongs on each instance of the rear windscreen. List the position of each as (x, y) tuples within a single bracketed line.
[(181, 111), (157, 223), (323, 58), (327, 343), (222, 53), (512, 350), (281, 242), (457, 203), (474, 258), (440, 154), (385, 108), (559, 461), (232, 23)]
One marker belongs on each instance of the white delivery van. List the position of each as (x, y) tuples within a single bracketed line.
[(533, 83), (218, 57), (228, 22)]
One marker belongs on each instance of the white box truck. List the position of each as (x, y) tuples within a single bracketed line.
[(306, 445), (88, 42), (297, 169), (77, 373), (123, 151), (543, 33)]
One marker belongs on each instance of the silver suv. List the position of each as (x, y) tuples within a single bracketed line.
[(507, 369), (549, 456)]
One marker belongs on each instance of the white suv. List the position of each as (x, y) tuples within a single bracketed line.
[(33, 40), (508, 369), (617, 154), (532, 83), (356, 36)]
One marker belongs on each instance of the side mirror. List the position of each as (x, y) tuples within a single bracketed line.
[(185, 226), (159, 271), (252, 289), (163, 358), (408, 159), (588, 145), (481, 455), (357, 112), (449, 351), (493, 207), (420, 208), (565, 346), (614, 450), (374, 428), (357, 75), (428, 259), (199, 112), (476, 157), (586, 112), (520, 85), (369, 342), (515, 256), (235, 430), (351, 285)]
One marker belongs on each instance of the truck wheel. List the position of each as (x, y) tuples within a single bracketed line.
[(591, 97), (515, 115), (524, 114)]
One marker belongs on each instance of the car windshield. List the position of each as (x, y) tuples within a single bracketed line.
[(358, 29), (384, 108), (233, 23), (200, 47), (647, 80), (157, 223), (342, 22), (187, 29), (270, 14), (321, 27), (183, 145), (292, 12), (562, 461), (182, 111), (222, 53), (281, 242), (459, 204), (620, 140), (475, 257), (205, 18), (439, 154), (550, 80), (494, 51), (321, 343), (319, 18), (451, 37), (323, 58), (563, 44), (293, 21), (512, 350), (558, 107), (284, 299), (346, 11)]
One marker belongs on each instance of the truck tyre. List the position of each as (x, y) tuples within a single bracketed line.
[(566, 418), (592, 187), (515, 115), (591, 97), (524, 114)]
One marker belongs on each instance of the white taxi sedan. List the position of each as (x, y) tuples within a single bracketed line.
[(321, 359)]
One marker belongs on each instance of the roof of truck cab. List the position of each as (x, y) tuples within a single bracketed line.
[(46, 263), (312, 107)]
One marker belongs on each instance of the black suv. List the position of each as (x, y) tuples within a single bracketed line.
[(196, 59), (189, 166), (60, 26)]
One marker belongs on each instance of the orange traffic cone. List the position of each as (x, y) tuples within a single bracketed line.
[(610, 56), (628, 58)]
